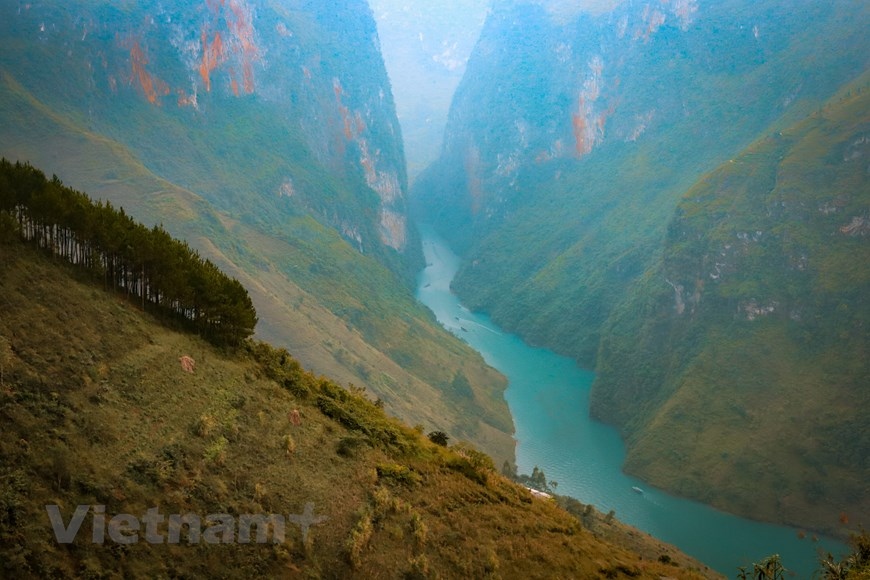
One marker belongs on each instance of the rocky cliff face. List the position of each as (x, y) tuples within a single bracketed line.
[(572, 139), (553, 86), (268, 93), (548, 85), (426, 46), (264, 134), (741, 356)]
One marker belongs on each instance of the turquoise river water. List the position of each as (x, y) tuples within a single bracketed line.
[(548, 397)]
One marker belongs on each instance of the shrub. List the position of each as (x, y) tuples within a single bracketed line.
[(476, 458), (439, 438), (349, 446), (205, 425), (398, 473), (216, 452), (419, 529), (419, 568), (359, 539)]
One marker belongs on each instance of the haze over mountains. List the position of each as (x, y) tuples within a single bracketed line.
[(265, 134), (675, 193), (426, 46)]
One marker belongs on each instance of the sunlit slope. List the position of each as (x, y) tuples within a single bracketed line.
[(738, 369), (265, 134), (98, 410), (294, 305)]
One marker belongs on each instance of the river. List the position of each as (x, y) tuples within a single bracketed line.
[(548, 396)]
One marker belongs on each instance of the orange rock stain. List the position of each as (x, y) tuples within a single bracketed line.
[(153, 87)]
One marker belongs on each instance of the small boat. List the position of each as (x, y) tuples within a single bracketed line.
[(463, 329), (637, 490)]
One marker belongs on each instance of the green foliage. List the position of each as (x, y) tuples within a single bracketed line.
[(509, 470), (149, 265), (476, 458), (282, 368), (438, 438), (418, 568), (419, 529), (553, 240), (855, 566), (770, 568), (400, 474), (71, 390), (8, 228), (350, 446), (758, 301), (537, 480), (216, 451), (584, 249), (13, 495), (359, 538), (460, 387), (357, 413), (469, 469), (267, 185)]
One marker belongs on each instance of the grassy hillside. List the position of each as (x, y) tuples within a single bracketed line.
[(98, 410), (264, 134), (341, 313), (738, 369)]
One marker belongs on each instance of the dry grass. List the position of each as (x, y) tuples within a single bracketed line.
[(97, 410), (293, 315)]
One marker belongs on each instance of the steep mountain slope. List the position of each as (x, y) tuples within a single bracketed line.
[(426, 46), (265, 134), (97, 411), (247, 103), (739, 365), (571, 141), (572, 137)]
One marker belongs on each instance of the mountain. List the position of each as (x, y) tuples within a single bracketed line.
[(426, 46), (571, 142), (114, 409), (265, 134), (745, 346)]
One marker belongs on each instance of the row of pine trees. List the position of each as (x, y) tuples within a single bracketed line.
[(160, 273)]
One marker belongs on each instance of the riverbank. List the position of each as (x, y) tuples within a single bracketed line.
[(549, 398)]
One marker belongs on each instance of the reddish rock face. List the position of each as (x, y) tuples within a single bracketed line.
[(311, 79)]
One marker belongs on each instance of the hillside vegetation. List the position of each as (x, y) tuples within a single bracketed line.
[(148, 265), (739, 367), (293, 183), (572, 143), (104, 405)]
